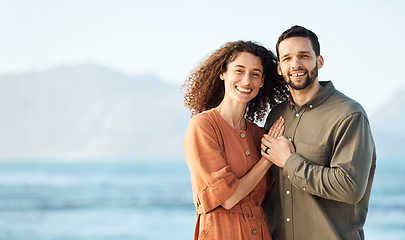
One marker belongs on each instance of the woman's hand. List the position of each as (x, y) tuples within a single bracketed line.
[(275, 132), (277, 129)]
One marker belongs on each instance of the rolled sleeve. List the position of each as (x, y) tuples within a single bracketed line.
[(212, 181), (214, 195)]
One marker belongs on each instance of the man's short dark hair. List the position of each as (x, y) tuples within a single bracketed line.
[(298, 31)]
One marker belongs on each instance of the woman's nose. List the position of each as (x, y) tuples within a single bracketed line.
[(246, 78)]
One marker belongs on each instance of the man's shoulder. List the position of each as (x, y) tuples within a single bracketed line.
[(281, 105), (275, 113), (341, 102)]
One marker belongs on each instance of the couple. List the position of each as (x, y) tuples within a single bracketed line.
[(307, 175)]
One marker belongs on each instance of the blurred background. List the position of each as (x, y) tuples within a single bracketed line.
[(92, 117)]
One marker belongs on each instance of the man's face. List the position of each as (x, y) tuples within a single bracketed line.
[(298, 63)]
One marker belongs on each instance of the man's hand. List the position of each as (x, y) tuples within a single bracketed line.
[(277, 150)]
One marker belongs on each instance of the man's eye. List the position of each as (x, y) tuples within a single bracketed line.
[(285, 59)]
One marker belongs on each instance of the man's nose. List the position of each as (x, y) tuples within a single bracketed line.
[(296, 63)]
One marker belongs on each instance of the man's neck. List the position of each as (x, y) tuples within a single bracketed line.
[(300, 97)]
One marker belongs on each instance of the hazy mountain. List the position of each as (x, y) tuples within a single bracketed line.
[(90, 112), (388, 127)]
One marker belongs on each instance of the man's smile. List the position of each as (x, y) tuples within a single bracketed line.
[(298, 74)]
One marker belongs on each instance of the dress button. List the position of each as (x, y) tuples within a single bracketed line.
[(254, 231), (297, 114), (242, 135), (288, 219), (247, 153), (288, 192)]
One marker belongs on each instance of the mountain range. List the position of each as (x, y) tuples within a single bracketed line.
[(89, 112), (388, 127)]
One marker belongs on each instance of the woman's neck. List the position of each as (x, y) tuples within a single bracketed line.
[(233, 114)]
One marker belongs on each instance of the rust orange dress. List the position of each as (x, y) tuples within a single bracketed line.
[(218, 156)]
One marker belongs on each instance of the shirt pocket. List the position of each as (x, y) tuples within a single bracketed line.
[(318, 154)]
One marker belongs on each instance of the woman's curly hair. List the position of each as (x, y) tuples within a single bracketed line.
[(205, 90)]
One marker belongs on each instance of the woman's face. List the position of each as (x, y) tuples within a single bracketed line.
[(243, 78)]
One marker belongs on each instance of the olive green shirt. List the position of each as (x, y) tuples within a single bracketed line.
[(324, 188)]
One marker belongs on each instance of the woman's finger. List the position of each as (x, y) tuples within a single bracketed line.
[(277, 129), (266, 140)]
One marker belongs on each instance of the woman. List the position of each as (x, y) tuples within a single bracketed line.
[(232, 88)]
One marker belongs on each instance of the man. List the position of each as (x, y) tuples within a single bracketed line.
[(324, 164)]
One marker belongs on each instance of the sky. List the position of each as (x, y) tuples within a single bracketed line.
[(361, 41)]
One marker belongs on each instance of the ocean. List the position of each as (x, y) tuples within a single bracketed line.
[(140, 200)]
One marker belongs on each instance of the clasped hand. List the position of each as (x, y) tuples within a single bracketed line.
[(275, 147)]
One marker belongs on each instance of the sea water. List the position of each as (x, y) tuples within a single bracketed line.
[(140, 200)]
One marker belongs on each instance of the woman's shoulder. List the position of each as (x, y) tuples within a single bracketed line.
[(203, 119)]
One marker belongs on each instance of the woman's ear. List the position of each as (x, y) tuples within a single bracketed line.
[(221, 76)]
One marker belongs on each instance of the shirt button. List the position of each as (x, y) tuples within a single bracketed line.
[(288, 219), (288, 192), (310, 106), (297, 114), (289, 139), (254, 231), (303, 189), (288, 176), (247, 153), (242, 135)]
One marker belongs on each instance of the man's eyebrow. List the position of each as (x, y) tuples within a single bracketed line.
[(288, 54), (256, 69)]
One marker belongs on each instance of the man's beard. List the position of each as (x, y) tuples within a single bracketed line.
[(311, 77)]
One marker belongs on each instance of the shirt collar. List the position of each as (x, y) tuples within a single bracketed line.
[(320, 97)]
